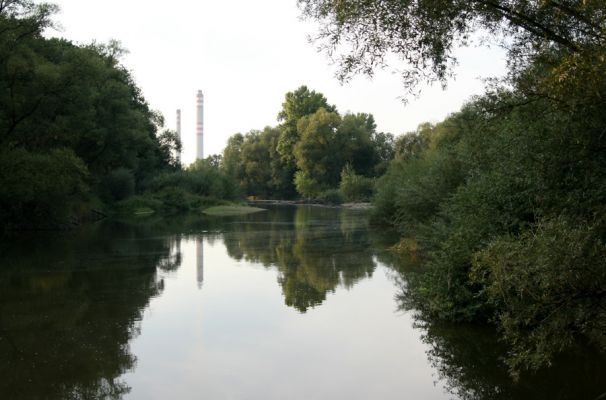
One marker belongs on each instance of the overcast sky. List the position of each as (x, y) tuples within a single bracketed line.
[(245, 55)]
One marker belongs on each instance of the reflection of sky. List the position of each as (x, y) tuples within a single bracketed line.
[(235, 339)]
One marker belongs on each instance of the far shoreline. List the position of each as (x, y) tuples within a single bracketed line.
[(349, 205)]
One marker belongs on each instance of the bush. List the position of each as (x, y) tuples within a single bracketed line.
[(136, 204), (306, 185), (355, 187), (120, 184), (332, 196), (548, 285), (40, 189), (517, 193), (206, 183)]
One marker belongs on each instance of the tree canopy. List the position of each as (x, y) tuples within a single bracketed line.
[(360, 34)]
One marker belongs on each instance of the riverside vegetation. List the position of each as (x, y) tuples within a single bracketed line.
[(76, 133), (502, 203), (504, 200)]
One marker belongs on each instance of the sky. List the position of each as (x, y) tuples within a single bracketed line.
[(245, 56)]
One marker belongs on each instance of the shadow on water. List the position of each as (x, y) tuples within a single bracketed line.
[(70, 304), (468, 360)]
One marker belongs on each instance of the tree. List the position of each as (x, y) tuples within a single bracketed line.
[(355, 142), (256, 163), (355, 187), (412, 144), (232, 157), (297, 104), (317, 152), (384, 150), (425, 33), (74, 111), (212, 162), (306, 185)]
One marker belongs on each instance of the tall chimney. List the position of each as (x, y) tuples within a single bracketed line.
[(179, 135), (200, 126)]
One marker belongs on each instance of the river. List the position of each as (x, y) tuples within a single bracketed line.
[(292, 303)]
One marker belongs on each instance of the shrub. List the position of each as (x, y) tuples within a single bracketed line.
[(135, 204), (332, 196), (120, 184), (40, 189), (355, 187), (548, 285)]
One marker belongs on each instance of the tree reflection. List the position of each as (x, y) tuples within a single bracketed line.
[(468, 360), (326, 249), (69, 307)]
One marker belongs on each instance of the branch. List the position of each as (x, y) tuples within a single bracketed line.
[(527, 23)]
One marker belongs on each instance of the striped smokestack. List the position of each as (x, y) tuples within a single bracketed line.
[(200, 126)]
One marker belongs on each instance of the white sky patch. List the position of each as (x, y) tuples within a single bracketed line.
[(245, 56)]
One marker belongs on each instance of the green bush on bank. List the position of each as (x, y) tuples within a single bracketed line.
[(40, 189), (331, 197), (182, 191), (506, 203), (355, 187), (119, 184)]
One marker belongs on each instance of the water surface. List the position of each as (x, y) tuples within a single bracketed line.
[(293, 303)]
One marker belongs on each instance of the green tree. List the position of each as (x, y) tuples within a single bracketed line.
[(297, 104), (58, 98), (384, 150), (256, 162), (360, 33), (232, 157), (40, 189), (355, 187), (306, 185), (317, 153)]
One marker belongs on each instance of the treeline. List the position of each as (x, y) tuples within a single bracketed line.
[(314, 153), (76, 132)]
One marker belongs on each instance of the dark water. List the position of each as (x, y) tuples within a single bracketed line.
[(294, 303)]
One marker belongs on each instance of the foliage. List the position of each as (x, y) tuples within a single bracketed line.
[(138, 203), (560, 269), (512, 185), (209, 183), (306, 185), (253, 160), (360, 34), (319, 141), (355, 187), (120, 184), (297, 104), (72, 111), (331, 196), (316, 153), (40, 189)]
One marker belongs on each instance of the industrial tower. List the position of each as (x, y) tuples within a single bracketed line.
[(200, 126)]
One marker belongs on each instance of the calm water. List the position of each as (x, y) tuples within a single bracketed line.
[(293, 303)]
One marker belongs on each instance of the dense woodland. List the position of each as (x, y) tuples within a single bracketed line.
[(76, 133), (503, 202)]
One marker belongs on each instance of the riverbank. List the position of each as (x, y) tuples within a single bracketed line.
[(352, 206)]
